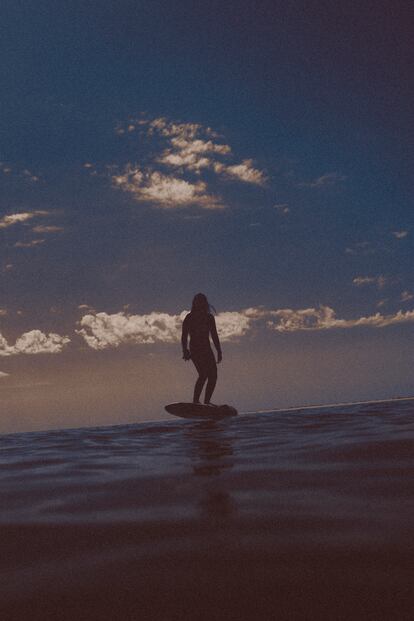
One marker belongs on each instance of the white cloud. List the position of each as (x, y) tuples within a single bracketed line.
[(324, 318), (3, 374), (243, 172), (165, 191), (17, 218), (282, 208), (191, 153), (102, 331), (360, 248), (378, 281), (406, 296), (25, 174), (400, 234), (43, 228), (34, 342), (30, 244), (232, 324), (29, 175), (324, 180), (186, 149)]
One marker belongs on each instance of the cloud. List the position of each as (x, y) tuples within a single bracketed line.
[(3, 374), (17, 218), (406, 296), (165, 191), (34, 342), (25, 174), (242, 172), (400, 234), (29, 175), (24, 218), (327, 179), (282, 208), (232, 324), (363, 248), (192, 153), (324, 318), (43, 228), (379, 281), (175, 175), (29, 244), (102, 331)]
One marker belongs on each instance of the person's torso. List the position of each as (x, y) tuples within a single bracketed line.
[(199, 330)]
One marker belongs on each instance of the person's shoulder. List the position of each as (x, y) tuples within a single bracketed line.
[(211, 318), (187, 317)]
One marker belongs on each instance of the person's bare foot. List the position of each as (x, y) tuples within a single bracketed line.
[(213, 405)]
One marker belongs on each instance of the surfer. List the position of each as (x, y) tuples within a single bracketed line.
[(199, 324)]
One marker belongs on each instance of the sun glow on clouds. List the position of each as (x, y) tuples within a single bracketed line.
[(173, 177)]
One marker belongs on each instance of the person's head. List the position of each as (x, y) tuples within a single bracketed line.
[(200, 304)]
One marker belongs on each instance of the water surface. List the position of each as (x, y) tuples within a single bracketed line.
[(299, 514)]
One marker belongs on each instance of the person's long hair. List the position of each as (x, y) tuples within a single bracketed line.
[(201, 305)]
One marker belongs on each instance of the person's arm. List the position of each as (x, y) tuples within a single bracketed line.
[(184, 339), (215, 338)]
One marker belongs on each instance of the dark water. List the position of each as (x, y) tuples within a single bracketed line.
[(304, 514)]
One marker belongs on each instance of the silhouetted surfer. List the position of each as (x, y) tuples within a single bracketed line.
[(199, 324)]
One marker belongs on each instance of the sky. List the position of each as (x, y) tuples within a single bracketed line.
[(259, 152)]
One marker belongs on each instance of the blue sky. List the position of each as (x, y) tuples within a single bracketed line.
[(259, 152)]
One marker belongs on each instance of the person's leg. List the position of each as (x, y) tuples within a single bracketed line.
[(198, 388), (202, 376), (211, 381)]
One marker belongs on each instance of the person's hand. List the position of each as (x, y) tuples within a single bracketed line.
[(219, 357), (186, 355)]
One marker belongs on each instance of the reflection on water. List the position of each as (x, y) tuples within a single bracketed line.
[(258, 516), (211, 453), (210, 449)]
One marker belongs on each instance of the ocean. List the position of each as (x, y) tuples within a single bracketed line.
[(297, 514)]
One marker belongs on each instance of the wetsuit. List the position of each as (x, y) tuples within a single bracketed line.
[(199, 326)]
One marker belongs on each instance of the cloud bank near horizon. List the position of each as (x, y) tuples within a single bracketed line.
[(102, 330)]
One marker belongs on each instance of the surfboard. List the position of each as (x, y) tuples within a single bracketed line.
[(196, 410)]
